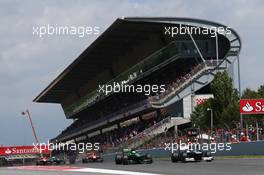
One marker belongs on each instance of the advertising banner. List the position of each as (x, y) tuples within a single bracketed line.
[(19, 150), (252, 106)]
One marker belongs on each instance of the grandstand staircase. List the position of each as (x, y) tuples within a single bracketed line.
[(198, 80), (153, 131)]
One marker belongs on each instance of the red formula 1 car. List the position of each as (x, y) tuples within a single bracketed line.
[(42, 161), (92, 157)]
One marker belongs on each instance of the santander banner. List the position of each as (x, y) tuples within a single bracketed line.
[(18, 150), (252, 106)]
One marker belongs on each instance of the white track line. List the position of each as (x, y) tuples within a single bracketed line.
[(108, 171)]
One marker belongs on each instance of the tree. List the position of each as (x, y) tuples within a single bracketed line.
[(249, 94), (225, 103), (261, 91), (199, 117)]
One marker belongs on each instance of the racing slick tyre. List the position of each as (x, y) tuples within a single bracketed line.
[(207, 154), (149, 159), (125, 160), (148, 156), (118, 159), (183, 157), (175, 157)]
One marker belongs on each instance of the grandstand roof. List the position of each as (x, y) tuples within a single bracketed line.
[(119, 38)]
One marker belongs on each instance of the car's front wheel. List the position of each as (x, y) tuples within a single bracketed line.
[(118, 159), (125, 160), (183, 157), (149, 159), (175, 157)]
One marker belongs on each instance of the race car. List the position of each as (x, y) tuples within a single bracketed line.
[(92, 157), (42, 161), (5, 162), (188, 152), (56, 160), (131, 156), (191, 156), (50, 161)]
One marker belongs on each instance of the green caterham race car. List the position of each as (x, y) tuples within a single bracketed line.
[(131, 156)]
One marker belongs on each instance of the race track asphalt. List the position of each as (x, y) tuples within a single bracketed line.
[(220, 166)]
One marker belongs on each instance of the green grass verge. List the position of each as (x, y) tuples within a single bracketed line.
[(222, 157), (242, 156), (161, 158)]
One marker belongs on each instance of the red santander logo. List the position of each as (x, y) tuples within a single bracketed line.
[(252, 106)]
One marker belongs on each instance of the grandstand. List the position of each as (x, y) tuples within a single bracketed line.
[(140, 51)]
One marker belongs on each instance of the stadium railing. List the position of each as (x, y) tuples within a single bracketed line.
[(183, 82), (146, 135), (129, 110)]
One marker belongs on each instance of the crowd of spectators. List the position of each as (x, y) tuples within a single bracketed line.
[(118, 136), (177, 82), (98, 95), (219, 135), (235, 135), (121, 103), (149, 133)]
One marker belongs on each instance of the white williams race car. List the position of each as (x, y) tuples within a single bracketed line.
[(190, 152), (191, 156)]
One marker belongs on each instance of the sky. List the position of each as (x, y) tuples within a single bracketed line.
[(29, 63)]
